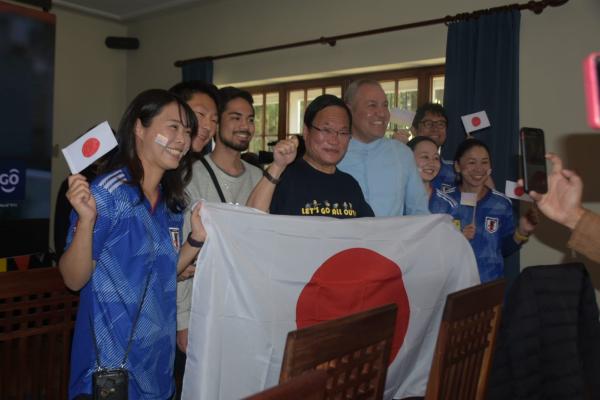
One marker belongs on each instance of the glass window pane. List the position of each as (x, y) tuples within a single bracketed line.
[(390, 92), (272, 114), (256, 144), (334, 90), (437, 90), (258, 114), (407, 94), (389, 87), (312, 94), (295, 111)]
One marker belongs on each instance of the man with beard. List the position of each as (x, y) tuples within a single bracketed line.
[(221, 176)]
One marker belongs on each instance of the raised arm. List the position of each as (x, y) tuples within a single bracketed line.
[(76, 264), (562, 202), (284, 153)]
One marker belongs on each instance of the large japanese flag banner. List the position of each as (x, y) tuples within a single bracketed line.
[(260, 276)]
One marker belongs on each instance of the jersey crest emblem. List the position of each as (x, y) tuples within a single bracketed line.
[(491, 224), (174, 233)]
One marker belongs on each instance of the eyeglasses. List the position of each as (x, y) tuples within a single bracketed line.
[(329, 133), (427, 123)]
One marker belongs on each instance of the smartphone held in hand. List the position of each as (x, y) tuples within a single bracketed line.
[(533, 152)]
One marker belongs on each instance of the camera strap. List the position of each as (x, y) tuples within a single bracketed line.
[(213, 177), (135, 321)]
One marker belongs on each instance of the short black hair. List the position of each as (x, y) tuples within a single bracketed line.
[(431, 108), (186, 90), (228, 93), (412, 143), (324, 101)]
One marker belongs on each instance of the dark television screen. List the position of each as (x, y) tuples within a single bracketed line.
[(26, 95)]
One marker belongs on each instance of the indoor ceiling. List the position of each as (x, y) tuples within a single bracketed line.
[(123, 10)]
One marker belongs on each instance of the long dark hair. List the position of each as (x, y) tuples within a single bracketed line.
[(144, 108)]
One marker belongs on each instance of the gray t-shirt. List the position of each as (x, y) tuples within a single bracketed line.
[(236, 190)]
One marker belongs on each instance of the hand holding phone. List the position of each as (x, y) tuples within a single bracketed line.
[(533, 158)]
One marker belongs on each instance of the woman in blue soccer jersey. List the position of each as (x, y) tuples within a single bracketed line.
[(124, 249), (427, 158), (484, 215)]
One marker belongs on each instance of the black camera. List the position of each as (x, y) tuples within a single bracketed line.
[(110, 384)]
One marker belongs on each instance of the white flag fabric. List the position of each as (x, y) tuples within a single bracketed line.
[(476, 121), (260, 276), (90, 147), (400, 116), (468, 199), (516, 192)]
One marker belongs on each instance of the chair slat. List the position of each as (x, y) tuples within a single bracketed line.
[(354, 350), (465, 345)]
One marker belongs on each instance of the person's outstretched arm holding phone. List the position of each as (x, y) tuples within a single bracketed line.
[(562, 204)]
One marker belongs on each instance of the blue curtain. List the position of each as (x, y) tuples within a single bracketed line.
[(200, 70), (482, 73)]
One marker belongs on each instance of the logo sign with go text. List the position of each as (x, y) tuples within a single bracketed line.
[(12, 180)]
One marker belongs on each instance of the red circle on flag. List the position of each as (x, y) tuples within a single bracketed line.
[(352, 281), (519, 191), (90, 147), (476, 121)]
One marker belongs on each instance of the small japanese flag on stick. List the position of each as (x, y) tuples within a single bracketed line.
[(470, 200), (476, 121), (90, 147), (516, 192)]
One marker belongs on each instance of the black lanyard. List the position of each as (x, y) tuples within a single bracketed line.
[(130, 336)]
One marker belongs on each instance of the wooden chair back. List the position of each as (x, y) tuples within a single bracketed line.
[(37, 314), (465, 346), (354, 350), (308, 386)]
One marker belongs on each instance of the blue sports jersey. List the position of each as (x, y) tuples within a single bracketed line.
[(446, 178), (494, 229), (131, 242), (441, 203)]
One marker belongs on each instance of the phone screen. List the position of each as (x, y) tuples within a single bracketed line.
[(533, 151)]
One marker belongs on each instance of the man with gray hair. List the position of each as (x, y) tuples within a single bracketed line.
[(384, 168)]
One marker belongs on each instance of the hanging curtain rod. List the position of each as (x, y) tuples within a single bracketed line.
[(536, 6)]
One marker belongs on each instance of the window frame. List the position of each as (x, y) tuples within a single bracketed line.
[(424, 76)]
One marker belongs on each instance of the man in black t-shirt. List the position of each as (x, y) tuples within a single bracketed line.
[(312, 185)]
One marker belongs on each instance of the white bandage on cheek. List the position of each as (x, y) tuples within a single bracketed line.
[(489, 172), (161, 140)]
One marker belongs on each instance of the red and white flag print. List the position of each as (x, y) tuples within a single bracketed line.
[(261, 276), (476, 121), (516, 192), (90, 147)]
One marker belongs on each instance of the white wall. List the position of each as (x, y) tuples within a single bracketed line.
[(89, 82), (553, 46), (235, 25)]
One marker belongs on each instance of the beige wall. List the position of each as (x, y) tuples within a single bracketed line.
[(89, 82), (552, 47)]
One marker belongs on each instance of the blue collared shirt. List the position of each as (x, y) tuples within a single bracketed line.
[(387, 174)]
